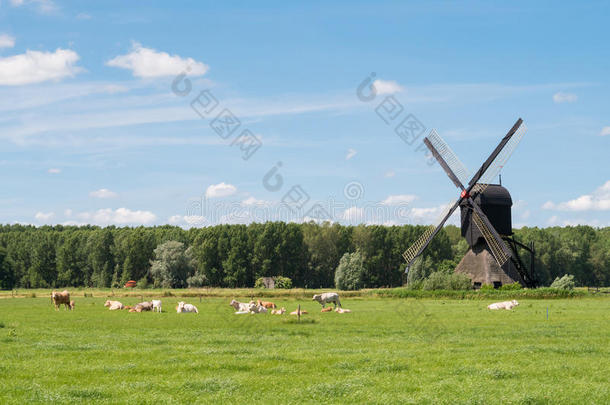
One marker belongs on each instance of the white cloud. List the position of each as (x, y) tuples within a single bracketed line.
[(120, 216), (560, 97), (399, 199), (42, 6), (390, 173), (253, 201), (54, 170), (350, 154), (599, 200), (605, 131), (35, 67), (353, 214), (6, 41), (220, 190), (68, 213), (103, 193), (83, 16), (44, 217), (387, 87), (526, 214), (147, 62)]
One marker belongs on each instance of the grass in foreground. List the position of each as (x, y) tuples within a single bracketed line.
[(387, 351)]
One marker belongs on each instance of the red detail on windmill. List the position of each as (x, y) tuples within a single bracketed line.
[(465, 194)]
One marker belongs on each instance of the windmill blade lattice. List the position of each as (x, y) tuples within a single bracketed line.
[(458, 168)]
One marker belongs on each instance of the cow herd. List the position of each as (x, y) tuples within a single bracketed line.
[(252, 307)]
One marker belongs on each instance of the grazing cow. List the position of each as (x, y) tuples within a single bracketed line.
[(241, 306), (182, 307), (71, 305), (266, 304), (343, 311), (156, 304), (296, 312), (329, 309), (508, 305), (325, 298), (114, 305), (278, 311), (60, 298)]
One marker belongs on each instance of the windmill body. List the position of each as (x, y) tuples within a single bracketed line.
[(479, 263)]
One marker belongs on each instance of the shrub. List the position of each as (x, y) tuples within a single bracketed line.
[(350, 272), (283, 282), (564, 283), (197, 280), (443, 281), (143, 282), (511, 287), (280, 282)]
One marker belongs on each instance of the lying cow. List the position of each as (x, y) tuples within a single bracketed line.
[(508, 305), (343, 310), (114, 305), (182, 307), (241, 306), (325, 298), (296, 312), (142, 306), (60, 298), (156, 304), (329, 309), (266, 304), (278, 311)]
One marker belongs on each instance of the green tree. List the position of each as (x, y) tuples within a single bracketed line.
[(172, 266), (351, 272), (7, 276)]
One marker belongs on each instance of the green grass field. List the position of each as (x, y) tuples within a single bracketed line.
[(387, 351)]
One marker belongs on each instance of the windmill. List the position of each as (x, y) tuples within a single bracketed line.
[(493, 257)]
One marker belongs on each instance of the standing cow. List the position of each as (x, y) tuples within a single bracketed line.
[(325, 298), (60, 298)]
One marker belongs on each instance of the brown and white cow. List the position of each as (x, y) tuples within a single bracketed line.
[(60, 298)]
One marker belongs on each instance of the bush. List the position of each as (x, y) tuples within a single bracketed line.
[(143, 282), (511, 287), (197, 280), (444, 281), (350, 272), (564, 283), (283, 282), (280, 282)]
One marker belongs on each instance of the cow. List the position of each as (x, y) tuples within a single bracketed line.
[(278, 311), (329, 309), (182, 307), (114, 305), (241, 306), (60, 298), (342, 310), (296, 312), (142, 306), (508, 305), (325, 298), (71, 305), (257, 309), (156, 304), (266, 304)]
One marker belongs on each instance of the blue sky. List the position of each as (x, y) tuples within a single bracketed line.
[(91, 131)]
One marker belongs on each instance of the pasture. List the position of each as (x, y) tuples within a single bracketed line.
[(388, 350)]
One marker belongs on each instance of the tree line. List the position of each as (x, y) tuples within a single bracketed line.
[(237, 255)]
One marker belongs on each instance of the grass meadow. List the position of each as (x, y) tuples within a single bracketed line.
[(389, 350)]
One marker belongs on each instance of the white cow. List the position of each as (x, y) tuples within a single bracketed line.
[(325, 298), (343, 310), (182, 307), (242, 306), (508, 305), (156, 305), (113, 305)]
